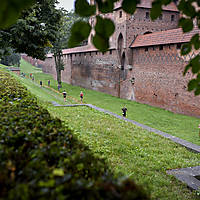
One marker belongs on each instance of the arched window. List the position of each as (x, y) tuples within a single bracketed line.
[(172, 18), (147, 15), (120, 43), (92, 37), (120, 14), (148, 32), (123, 61)]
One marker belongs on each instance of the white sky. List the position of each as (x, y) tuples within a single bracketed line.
[(67, 4)]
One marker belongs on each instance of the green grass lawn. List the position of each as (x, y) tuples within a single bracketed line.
[(128, 149), (2, 66), (182, 126), (131, 151)]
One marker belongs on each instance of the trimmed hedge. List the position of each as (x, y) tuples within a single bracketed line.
[(41, 159)]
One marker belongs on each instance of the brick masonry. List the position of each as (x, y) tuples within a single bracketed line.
[(156, 71), (95, 71), (159, 80)]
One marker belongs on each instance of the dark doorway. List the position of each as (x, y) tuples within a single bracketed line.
[(148, 32), (123, 59), (120, 43)]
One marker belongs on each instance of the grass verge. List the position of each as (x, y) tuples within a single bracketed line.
[(41, 159), (181, 126), (130, 150)]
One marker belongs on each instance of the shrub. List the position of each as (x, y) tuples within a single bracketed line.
[(12, 59), (41, 159)]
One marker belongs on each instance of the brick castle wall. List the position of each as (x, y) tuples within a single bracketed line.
[(94, 70), (33, 61), (158, 76), (157, 73), (139, 23), (49, 67), (159, 80)]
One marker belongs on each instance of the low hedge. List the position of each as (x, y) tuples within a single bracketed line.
[(41, 159)]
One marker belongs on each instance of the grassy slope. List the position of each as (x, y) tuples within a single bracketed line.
[(178, 125), (44, 93), (132, 151), (129, 149)]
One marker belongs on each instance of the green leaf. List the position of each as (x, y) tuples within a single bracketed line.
[(195, 62), (101, 42), (187, 8), (195, 41), (10, 11), (186, 48), (104, 27), (58, 172), (105, 6), (197, 91), (156, 10), (49, 183), (79, 32), (198, 77), (187, 68), (84, 9), (130, 6), (186, 24), (192, 84), (166, 2)]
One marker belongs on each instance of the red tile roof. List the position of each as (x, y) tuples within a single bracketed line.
[(164, 37), (147, 4), (81, 49), (87, 48)]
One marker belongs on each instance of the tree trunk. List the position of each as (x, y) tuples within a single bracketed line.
[(59, 67)]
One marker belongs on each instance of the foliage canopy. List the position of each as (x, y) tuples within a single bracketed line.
[(33, 31)]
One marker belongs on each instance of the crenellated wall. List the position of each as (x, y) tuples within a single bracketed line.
[(95, 70), (92, 70), (33, 61), (159, 80), (151, 74), (157, 74)]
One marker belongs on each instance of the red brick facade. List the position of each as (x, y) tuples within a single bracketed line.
[(159, 80), (150, 74)]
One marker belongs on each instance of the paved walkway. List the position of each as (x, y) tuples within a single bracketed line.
[(187, 175), (188, 145)]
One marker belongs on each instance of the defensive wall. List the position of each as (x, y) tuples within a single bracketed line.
[(154, 78), (143, 63)]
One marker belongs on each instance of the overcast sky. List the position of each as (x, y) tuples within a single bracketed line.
[(67, 4)]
